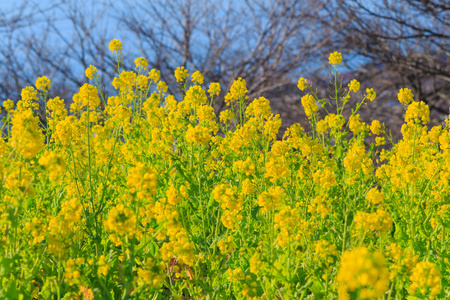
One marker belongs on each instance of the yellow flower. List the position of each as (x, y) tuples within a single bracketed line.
[(325, 251), (152, 273), (141, 62), (8, 104), (115, 46), (309, 105), (162, 87), (54, 163), (196, 94), (225, 115), (271, 199), (376, 127), (103, 266), (405, 96), (197, 77), (417, 112), (237, 91), (154, 75), (302, 84), (43, 83), (356, 125), (88, 95), (142, 180), (91, 72), (335, 58), (380, 141), (364, 271), (181, 74), (198, 134), (375, 196), (26, 135), (256, 263), (214, 89), (371, 94), (426, 278), (354, 86), (86, 293), (247, 166), (379, 221), (121, 220)]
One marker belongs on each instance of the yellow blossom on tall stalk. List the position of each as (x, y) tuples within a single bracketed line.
[(179, 247), (364, 271), (54, 163), (162, 87), (325, 251), (379, 221), (8, 104), (225, 115), (198, 134), (417, 112), (425, 280), (237, 91), (154, 75), (271, 199), (357, 163), (43, 83), (319, 206), (121, 220), (214, 89), (309, 105), (196, 95), (91, 72), (256, 263), (405, 96), (356, 125), (141, 63), (115, 46), (247, 166), (371, 94), (87, 96), (375, 196), (376, 127), (142, 180), (335, 58), (354, 85), (302, 84), (197, 77), (26, 136), (293, 229), (29, 99), (152, 274), (181, 74)]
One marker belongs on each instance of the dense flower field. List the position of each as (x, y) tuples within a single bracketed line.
[(143, 196)]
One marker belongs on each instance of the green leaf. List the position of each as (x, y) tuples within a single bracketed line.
[(6, 266)]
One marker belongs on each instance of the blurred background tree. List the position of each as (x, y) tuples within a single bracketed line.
[(386, 45)]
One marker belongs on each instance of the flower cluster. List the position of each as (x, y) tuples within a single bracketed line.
[(146, 194)]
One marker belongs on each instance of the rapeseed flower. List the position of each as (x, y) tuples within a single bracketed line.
[(43, 83), (354, 85), (91, 72), (335, 58), (405, 96), (115, 46), (302, 84), (365, 271)]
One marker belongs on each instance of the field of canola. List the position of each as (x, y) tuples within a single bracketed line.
[(143, 196)]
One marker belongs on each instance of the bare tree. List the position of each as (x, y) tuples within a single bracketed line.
[(58, 39), (404, 42), (395, 44), (265, 42)]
